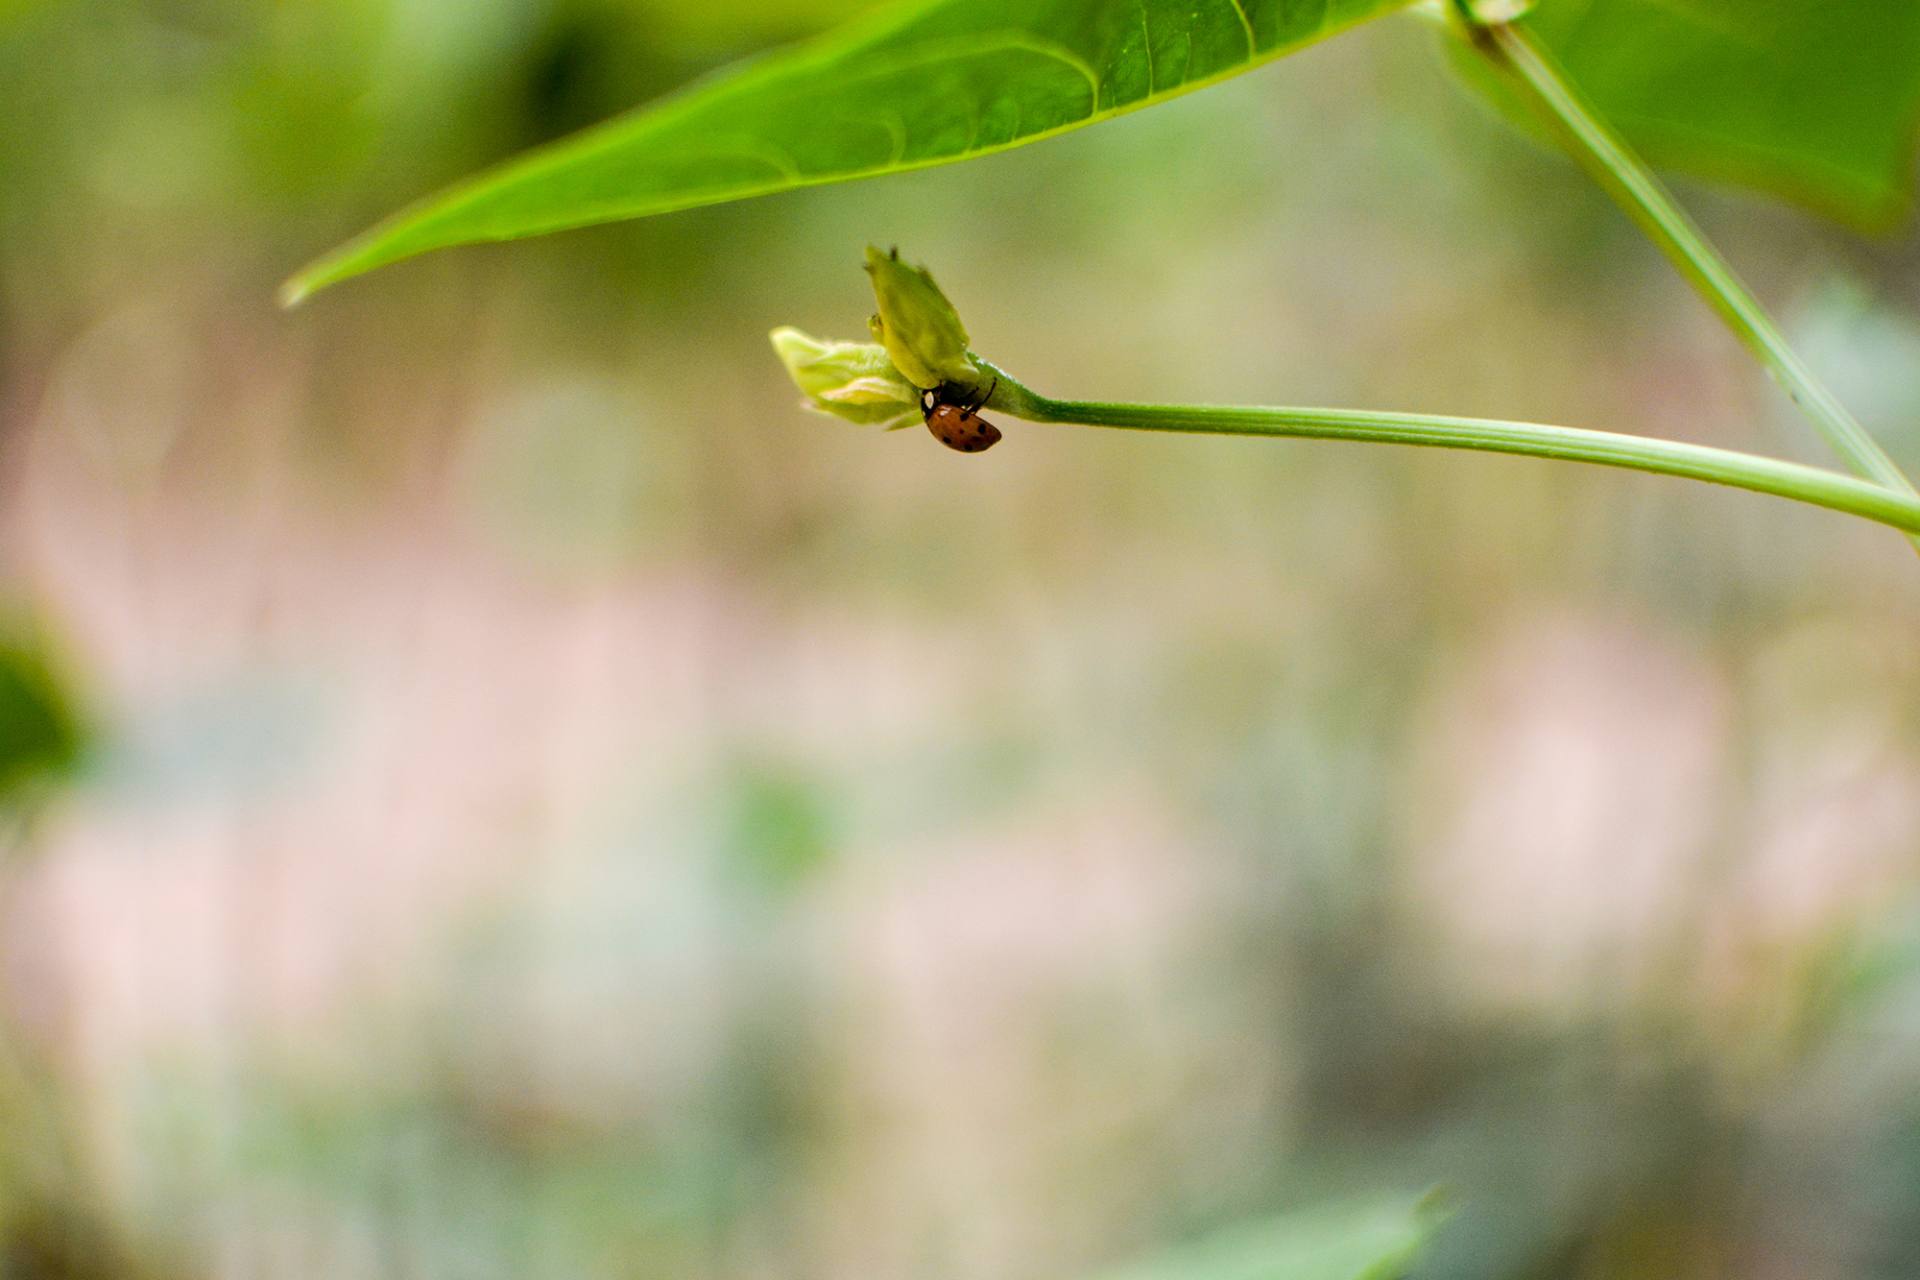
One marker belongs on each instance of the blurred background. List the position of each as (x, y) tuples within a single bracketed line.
[(491, 787)]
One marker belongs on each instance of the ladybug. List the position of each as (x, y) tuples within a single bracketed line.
[(958, 425)]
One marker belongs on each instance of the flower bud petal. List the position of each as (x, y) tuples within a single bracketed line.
[(852, 380)]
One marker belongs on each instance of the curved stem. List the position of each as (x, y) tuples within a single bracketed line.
[(1612, 163), (1570, 444)]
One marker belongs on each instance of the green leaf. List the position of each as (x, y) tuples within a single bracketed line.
[(1354, 1240), (1814, 100), (919, 84)]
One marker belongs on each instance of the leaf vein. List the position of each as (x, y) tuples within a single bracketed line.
[(1246, 25), (1146, 42)]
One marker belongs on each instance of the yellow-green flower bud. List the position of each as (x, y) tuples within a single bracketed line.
[(919, 327), (852, 380)]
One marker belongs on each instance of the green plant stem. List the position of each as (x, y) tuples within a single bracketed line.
[(1570, 444), (1613, 164)]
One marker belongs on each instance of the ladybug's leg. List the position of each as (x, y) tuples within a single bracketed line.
[(975, 406)]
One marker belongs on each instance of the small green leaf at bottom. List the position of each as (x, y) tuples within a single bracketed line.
[(1374, 1239)]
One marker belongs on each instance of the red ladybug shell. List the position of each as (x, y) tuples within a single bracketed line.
[(960, 428)]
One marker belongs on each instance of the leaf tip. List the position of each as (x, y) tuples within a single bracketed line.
[(353, 258), (328, 269), (292, 292)]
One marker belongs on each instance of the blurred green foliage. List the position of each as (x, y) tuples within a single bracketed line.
[(1377, 1241), (41, 737), (777, 825)]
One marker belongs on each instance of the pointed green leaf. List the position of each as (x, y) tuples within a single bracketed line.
[(919, 84)]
